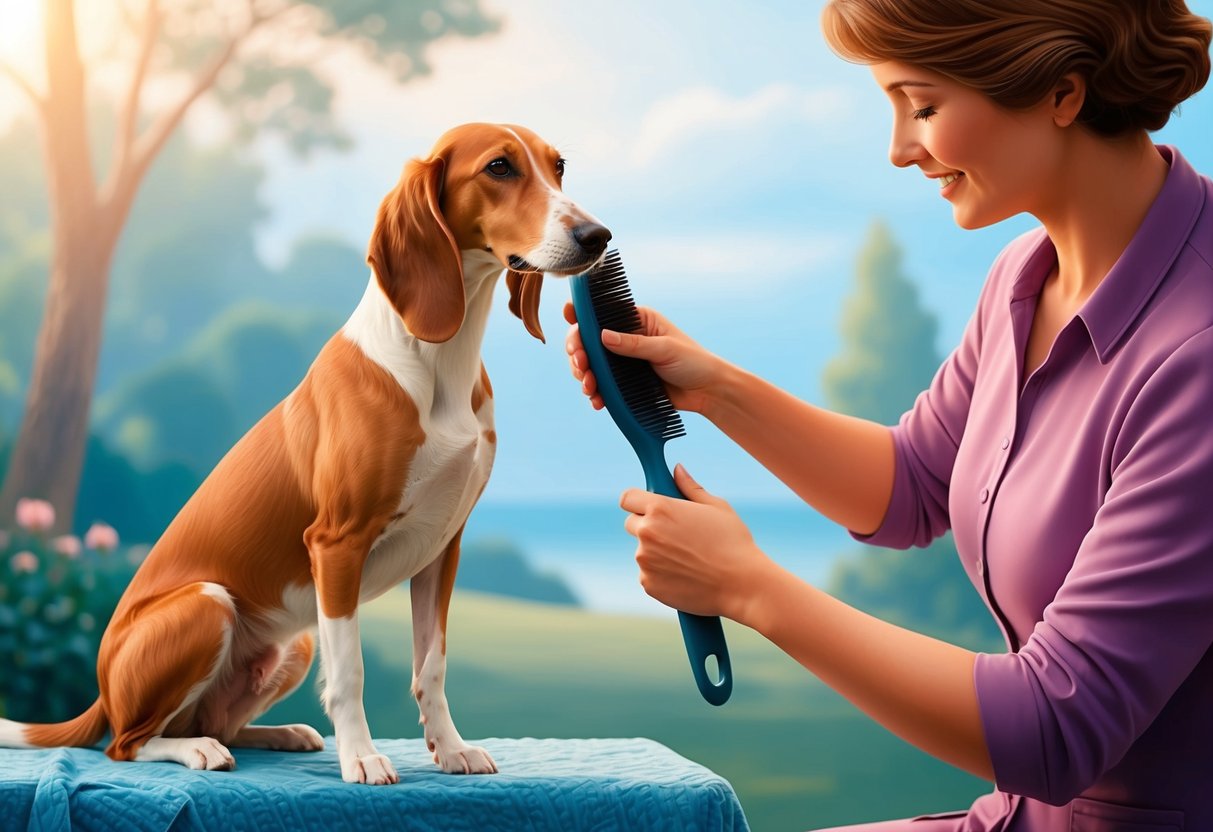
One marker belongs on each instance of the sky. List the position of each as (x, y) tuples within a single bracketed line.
[(736, 160)]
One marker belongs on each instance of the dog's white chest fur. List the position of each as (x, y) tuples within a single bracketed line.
[(452, 466), (446, 477)]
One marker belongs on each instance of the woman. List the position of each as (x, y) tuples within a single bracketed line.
[(1067, 441)]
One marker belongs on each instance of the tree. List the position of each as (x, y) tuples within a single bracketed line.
[(246, 56), (889, 353)]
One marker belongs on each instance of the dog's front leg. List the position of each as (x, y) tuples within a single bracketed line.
[(431, 597), (337, 561)]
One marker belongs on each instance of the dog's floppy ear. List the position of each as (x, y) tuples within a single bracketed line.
[(415, 257), (524, 299)]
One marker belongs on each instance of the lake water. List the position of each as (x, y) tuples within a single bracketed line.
[(586, 545)]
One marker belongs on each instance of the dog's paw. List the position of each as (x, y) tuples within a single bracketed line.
[(465, 759), (372, 769), (206, 754), (298, 738), (198, 753)]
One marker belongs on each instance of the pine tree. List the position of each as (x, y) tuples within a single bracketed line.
[(889, 353)]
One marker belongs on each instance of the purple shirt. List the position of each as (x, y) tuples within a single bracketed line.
[(1081, 501)]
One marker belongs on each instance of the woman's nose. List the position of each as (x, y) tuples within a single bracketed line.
[(904, 147)]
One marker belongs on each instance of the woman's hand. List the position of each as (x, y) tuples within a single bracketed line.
[(695, 555), (687, 369)]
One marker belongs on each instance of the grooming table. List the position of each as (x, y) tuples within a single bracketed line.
[(543, 784)]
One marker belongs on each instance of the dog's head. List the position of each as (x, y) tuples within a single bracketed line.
[(485, 187)]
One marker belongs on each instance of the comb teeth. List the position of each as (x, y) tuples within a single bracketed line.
[(643, 392)]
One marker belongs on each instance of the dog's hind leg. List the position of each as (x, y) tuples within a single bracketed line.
[(431, 595), (155, 666), (298, 737), (271, 685)]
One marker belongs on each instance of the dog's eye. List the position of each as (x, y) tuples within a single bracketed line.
[(560, 167), (499, 167)]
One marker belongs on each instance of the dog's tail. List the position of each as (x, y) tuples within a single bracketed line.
[(84, 730)]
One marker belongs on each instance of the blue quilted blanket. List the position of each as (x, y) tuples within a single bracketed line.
[(565, 785)]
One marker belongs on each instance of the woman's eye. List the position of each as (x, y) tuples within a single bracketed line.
[(560, 167), (924, 114), (499, 167)]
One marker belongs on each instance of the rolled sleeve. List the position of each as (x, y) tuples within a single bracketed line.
[(1132, 619), (898, 524)]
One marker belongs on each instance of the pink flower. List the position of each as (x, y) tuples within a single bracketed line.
[(24, 562), (35, 515), (67, 545), (101, 537)]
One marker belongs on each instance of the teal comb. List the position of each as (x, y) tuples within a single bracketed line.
[(636, 399)]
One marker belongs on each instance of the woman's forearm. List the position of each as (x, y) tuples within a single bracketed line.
[(919, 688), (840, 465)]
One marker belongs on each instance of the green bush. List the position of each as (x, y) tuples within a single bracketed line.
[(56, 597)]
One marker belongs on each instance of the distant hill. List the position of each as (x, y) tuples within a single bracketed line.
[(497, 566), (191, 407)]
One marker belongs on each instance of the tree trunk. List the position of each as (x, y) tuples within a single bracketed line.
[(49, 456)]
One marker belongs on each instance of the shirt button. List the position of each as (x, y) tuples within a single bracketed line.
[(1006, 443), (984, 495)]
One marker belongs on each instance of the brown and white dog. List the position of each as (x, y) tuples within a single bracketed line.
[(361, 478)]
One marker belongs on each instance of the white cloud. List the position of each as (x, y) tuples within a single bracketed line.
[(515, 75), (719, 262), (675, 121)]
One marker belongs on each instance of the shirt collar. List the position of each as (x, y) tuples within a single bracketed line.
[(1126, 289), (1124, 292)]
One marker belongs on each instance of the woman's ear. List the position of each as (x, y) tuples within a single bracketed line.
[(414, 254), (1067, 97)]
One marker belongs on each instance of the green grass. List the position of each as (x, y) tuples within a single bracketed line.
[(798, 756)]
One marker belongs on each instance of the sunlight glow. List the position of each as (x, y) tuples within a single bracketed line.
[(20, 28)]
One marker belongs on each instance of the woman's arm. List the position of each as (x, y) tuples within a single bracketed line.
[(697, 555), (840, 465), (919, 688)]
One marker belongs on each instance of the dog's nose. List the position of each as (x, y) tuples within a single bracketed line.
[(592, 237)]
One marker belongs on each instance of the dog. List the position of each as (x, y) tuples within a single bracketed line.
[(361, 478)]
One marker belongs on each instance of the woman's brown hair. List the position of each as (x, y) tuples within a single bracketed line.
[(1140, 58)]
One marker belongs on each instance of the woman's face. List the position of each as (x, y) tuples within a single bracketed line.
[(989, 162)]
